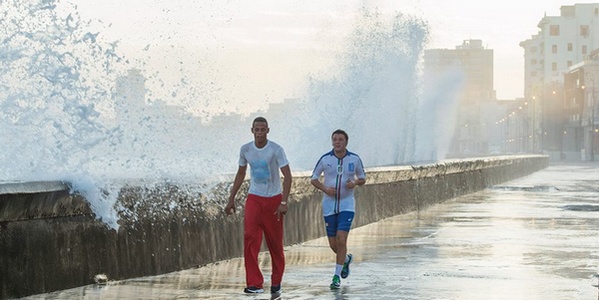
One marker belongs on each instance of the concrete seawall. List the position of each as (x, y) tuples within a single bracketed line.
[(51, 240)]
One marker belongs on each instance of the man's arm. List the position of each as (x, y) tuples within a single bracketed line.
[(282, 209), (353, 183), (327, 190), (286, 182), (239, 177), (317, 184)]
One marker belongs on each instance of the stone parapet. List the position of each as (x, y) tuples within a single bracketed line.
[(51, 240)]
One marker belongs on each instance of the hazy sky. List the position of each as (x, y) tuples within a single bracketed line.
[(225, 42)]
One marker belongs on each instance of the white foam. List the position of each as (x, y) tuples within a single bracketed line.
[(73, 109)]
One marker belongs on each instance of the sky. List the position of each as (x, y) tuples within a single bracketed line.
[(266, 48)]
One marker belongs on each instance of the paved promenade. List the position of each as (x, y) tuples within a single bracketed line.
[(531, 238)]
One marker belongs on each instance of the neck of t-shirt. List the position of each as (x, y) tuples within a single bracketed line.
[(340, 154), (262, 145)]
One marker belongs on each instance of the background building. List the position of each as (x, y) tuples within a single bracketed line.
[(561, 45), (581, 94), (475, 65)]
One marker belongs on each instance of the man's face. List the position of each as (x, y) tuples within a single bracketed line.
[(260, 130), (339, 142)]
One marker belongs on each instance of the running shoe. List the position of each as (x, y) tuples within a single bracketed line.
[(345, 270), (276, 289), (336, 283), (253, 290)]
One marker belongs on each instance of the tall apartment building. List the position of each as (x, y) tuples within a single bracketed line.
[(562, 42), (475, 64), (581, 122)]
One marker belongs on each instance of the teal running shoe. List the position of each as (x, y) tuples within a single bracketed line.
[(336, 283), (345, 270)]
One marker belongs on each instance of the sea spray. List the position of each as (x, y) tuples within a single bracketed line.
[(53, 98), (438, 112), (74, 108), (373, 95)]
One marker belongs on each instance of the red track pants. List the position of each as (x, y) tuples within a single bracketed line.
[(260, 218)]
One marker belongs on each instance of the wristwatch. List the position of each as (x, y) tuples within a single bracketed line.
[(284, 202)]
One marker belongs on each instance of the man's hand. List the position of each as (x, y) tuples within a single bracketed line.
[(331, 191), (350, 184), (281, 211), (230, 208)]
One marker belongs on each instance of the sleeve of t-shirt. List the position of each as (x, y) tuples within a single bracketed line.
[(361, 174), (317, 170), (242, 160), (281, 158)]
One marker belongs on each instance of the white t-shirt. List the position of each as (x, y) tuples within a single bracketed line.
[(337, 171), (265, 162)]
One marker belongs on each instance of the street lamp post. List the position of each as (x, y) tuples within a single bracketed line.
[(536, 136), (592, 113), (542, 126), (593, 120), (532, 125)]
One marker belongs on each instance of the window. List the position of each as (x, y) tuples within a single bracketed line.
[(554, 30), (596, 12), (554, 49), (533, 49), (569, 46), (554, 66), (533, 62), (584, 30), (584, 49), (533, 73), (569, 63)]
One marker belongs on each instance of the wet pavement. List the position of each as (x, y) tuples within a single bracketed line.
[(536, 237)]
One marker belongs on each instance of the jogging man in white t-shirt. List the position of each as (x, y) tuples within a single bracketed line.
[(265, 207), (343, 171)]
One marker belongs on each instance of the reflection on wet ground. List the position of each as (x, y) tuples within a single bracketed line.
[(531, 238)]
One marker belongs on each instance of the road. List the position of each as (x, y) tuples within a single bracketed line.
[(532, 238)]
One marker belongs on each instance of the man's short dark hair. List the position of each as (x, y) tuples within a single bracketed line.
[(339, 131), (260, 120)]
